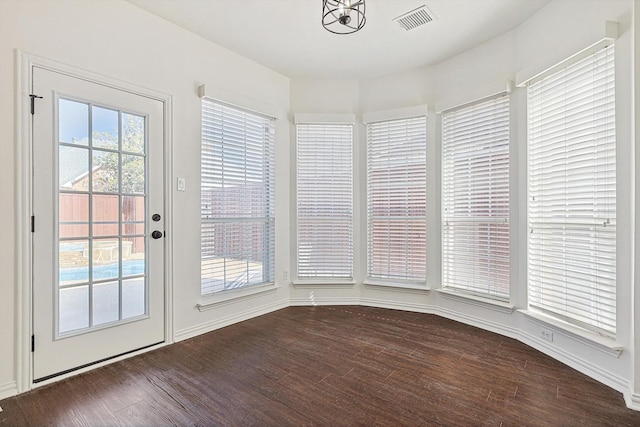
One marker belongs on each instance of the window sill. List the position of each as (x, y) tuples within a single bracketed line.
[(219, 298), (501, 306), (592, 339), (408, 286), (322, 283)]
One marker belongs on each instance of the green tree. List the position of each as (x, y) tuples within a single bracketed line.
[(106, 176)]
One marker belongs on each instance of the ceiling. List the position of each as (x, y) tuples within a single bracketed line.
[(287, 35)]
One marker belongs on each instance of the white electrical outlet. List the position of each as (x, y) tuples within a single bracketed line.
[(285, 275), (182, 184), (546, 334)]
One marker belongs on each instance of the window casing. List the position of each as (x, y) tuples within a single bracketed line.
[(572, 193), (475, 198), (324, 200), (237, 198), (396, 200)]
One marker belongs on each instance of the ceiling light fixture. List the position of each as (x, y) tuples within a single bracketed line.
[(343, 16)]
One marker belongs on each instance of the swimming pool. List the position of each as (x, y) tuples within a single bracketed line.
[(107, 271)]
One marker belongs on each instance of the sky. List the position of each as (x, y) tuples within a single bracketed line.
[(74, 121)]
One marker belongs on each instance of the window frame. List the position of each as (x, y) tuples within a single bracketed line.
[(391, 118), (241, 122), (336, 125), (536, 304), (489, 119)]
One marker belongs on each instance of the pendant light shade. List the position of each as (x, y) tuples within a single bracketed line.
[(343, 16)]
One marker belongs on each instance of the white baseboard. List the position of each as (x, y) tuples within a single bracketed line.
[(614, 381), (593, 371), (478, 322), (632, 400), (203, 328), (393, 305), (310, 301), (442, 312), (9, 389)]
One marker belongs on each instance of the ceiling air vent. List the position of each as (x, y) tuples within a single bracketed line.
[(415, 18)]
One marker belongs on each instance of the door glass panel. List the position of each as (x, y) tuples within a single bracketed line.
[(106, 259), (104, 128), (105, 171), (73, 127), (105, 229), (74, 167), (133, 256), (101, 274), (74, 308), (133, 215), (73, 262), (74, 215), (132, 208), (132, 174), (133, 298), (133, 133), (105, 214), (132, 228), (106, 302)]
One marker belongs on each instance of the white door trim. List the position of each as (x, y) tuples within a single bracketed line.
[(23, 250)]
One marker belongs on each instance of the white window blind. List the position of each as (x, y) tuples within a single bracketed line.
[(572, 193), (325, 200), (475, 198), (237, 198), (396, 200)]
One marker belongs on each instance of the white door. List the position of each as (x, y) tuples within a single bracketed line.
[(98, 226)]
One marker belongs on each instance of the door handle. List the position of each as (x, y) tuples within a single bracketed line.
[(157, 234)]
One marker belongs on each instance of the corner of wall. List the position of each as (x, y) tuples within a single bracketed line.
[(632, 400), (9, 389), (217, 323)]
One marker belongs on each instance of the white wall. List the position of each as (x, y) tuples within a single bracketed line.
[(168, 59), (635, 299), (121, 41)]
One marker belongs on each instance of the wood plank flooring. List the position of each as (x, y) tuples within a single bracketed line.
[(329, 366)]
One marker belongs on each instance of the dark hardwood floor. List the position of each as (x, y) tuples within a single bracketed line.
[(330, 366)]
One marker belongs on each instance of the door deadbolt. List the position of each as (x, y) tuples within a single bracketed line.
[(156, 217)]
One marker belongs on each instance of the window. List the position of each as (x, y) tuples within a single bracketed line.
[(475, 198), (572, 193), (325, 200), (396, 200), (237, 198)]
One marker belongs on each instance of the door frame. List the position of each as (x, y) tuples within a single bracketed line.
[(24, 193)]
